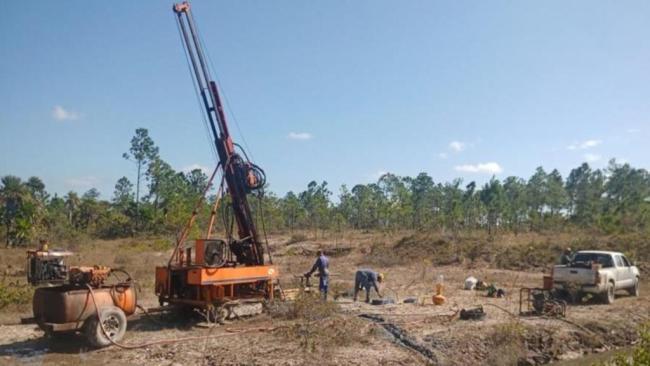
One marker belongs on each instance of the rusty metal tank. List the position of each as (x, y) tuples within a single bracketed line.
[(66, 307)]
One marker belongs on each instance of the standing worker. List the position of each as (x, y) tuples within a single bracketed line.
[(566, 257), (365, 279), (322, 264)]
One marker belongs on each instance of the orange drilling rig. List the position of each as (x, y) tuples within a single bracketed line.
[(208, 273)]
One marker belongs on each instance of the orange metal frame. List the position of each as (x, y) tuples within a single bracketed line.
[(219, 276), (188, 280), (205, 285)]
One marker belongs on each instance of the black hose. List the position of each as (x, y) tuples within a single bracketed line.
[(266, 239)]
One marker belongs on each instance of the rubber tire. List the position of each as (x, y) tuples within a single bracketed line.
[(634, 290), (608, 296), (93, 330)]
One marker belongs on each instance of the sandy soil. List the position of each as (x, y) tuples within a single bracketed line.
[(501, 338)]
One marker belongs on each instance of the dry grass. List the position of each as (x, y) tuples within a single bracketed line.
[(296, 238), (507, 344), (318, 326), (315, 331), (507, 251), (307, 306), (328, 334)]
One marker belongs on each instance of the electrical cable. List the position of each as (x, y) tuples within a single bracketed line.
[(242, 151), (259, 173)]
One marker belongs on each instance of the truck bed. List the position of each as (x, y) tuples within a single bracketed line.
[(575, 275)]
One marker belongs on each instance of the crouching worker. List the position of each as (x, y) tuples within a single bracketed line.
[(365, 279), (322, 264)]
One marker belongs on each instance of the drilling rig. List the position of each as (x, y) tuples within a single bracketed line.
[(208, 273)]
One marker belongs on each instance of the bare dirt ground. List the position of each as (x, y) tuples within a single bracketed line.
[(419, 333)]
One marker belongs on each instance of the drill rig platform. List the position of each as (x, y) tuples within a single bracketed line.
[(208, 273)]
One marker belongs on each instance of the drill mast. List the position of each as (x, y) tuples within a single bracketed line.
[(241, 176)]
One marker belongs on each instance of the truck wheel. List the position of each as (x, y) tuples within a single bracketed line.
[(634, 290), (608, 296), (114, 322)]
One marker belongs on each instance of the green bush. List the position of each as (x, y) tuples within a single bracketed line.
[(14, 294), (640, 355)]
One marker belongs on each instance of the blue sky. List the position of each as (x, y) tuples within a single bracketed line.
[(338, 91)]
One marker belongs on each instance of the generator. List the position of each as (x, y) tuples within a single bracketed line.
[(47, 266)]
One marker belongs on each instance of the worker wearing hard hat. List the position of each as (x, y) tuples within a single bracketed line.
[(365, 279)]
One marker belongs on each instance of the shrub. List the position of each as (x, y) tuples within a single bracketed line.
[(296, 238), (306, 306), (317, 325), (507, 344), (14, 294), (640, 355)]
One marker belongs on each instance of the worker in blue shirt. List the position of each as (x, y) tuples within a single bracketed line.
[(365, 279), (322, 264)]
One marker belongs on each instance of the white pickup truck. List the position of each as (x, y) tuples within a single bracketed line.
[(599, 273)]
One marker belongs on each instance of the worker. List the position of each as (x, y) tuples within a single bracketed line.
[(566, 257), (365, 279), (45, 245), (322, 264)]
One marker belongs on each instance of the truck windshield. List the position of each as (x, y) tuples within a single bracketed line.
[(589, 258)]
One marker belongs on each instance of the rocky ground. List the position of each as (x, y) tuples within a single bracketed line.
[(345, 332)]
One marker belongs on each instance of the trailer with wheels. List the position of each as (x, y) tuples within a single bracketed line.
[(94, 301)]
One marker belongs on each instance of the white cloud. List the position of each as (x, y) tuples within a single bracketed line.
[(590, 158), (584, 145), (61, 114), (457, 146), (590, 143), (82, 183), (376, 175), (194, 166), (300, 135), (442, 155), (487, 168), (633, 130)]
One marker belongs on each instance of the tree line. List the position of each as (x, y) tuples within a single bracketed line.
[(615, 199)]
